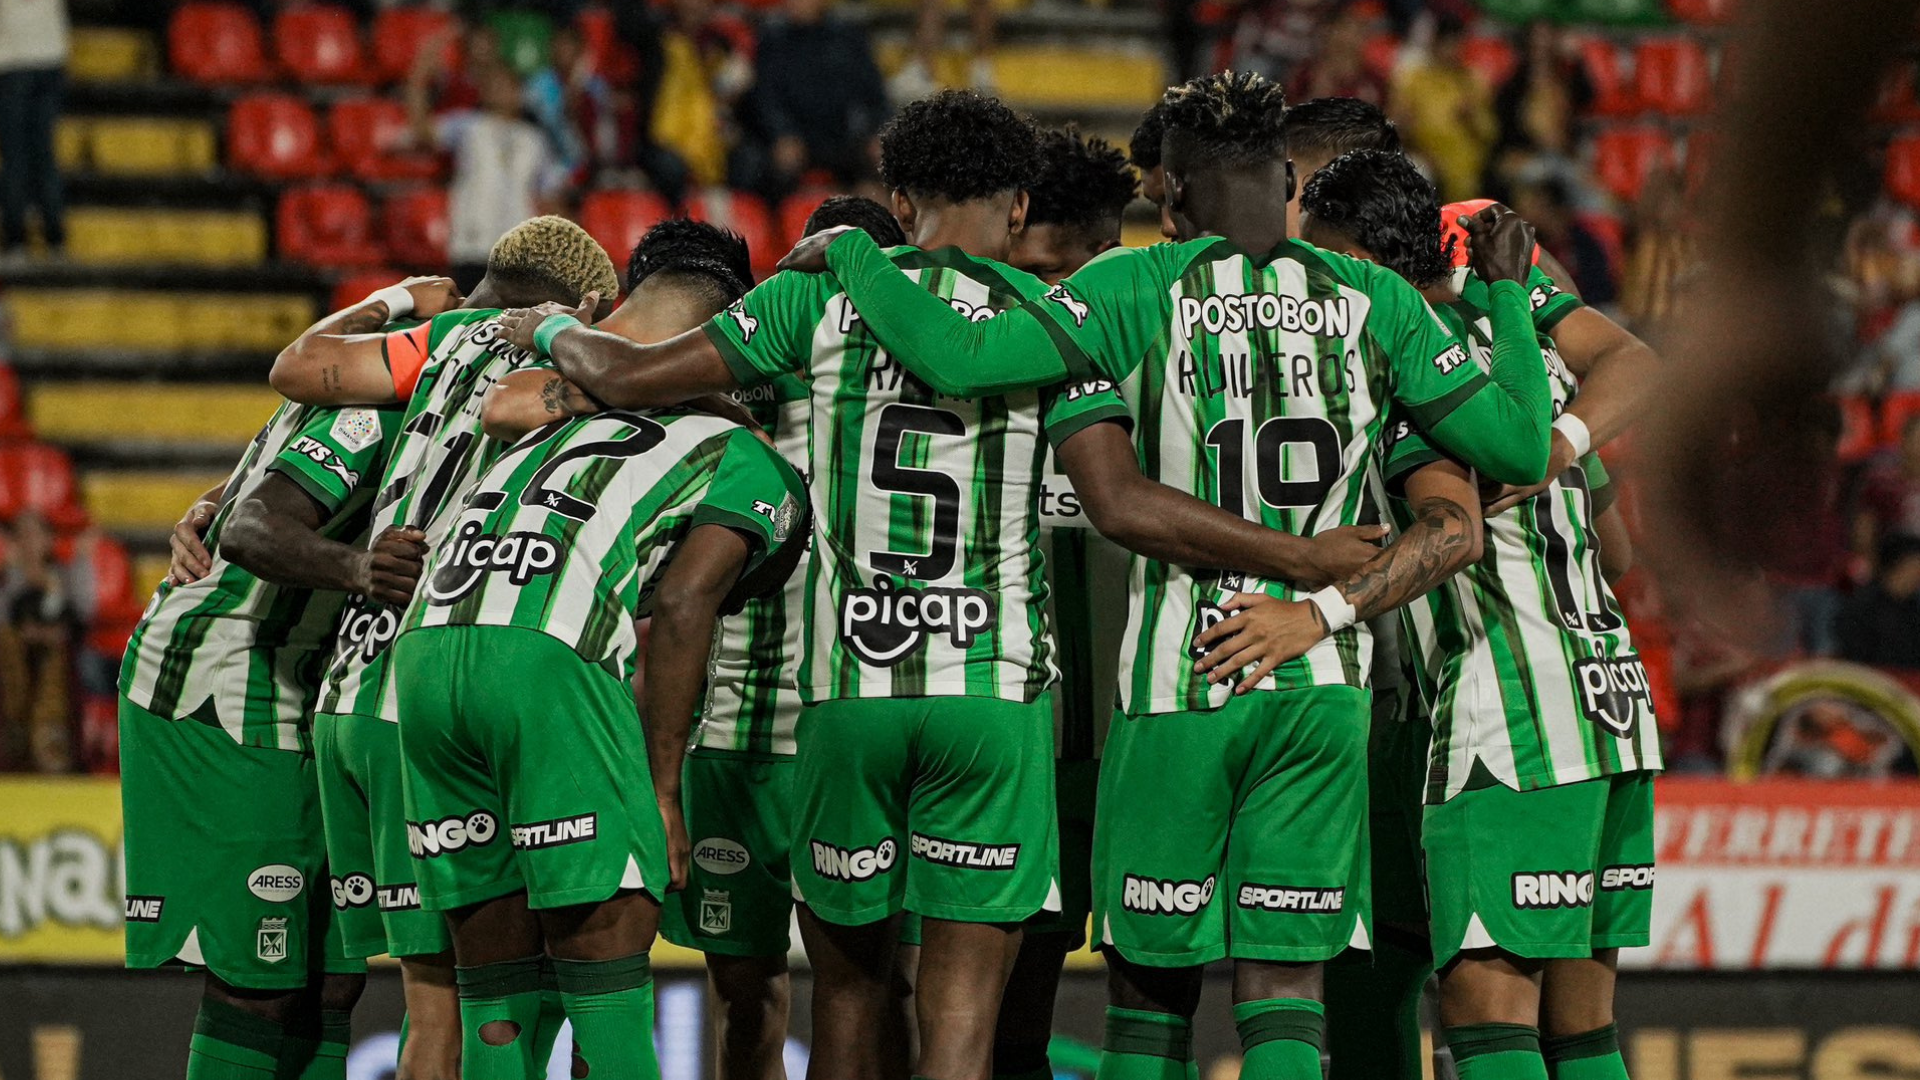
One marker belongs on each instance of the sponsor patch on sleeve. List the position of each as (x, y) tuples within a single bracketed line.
[(357, 429)]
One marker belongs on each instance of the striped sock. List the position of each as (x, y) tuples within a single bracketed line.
[(1281, 1038)]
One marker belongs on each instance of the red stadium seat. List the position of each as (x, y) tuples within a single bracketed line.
[(747, 215), (1897, 102), (1858, 439), (611, 58), (14, 426), (1381, 53), (1895, 410), (1702, 12), (415, 223), (37, 477), (370, 139), (320, 43), (1673, 76), (1608, 70), (359, 285), (1490, 57), (1903, 169), (797, 209), (400, 33), (275, 136), (1624, 156), (617, 219), (216, 44), (326, 225)]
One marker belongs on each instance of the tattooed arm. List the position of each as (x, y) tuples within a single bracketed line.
[(342, 359), (1444, 539), (526, 400)]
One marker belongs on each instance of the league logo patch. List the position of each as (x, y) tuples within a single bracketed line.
[(357, 429), (716, 911), (1609, 690), (145, 909), (884, 625), (270, 942), (352, 891), (719, 855)]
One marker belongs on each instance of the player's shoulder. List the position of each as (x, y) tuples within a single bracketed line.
[(994, 275)]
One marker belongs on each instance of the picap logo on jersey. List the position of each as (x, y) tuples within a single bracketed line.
[(1618, 878), (1206, 616), (1291, 899), (1156, 896), (858, 864), (1329, 317), (322, 455), (960, 853), (560, 831), (427, 839), (747, 323), (399, 897), (367, 629), (352, 891), (1545, 890), (145, 909), (883, 625), (1079, 310), (522, 556), (1612, 692)]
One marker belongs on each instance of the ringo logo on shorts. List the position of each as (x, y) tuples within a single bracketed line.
[(960, 853), (859, 864), (719, 855), (1545, 890), (352, 891), (427, 839), (1156, 896), (884, 625), (1633, 876), (1292, 898)]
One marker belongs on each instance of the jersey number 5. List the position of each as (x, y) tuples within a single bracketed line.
[(896, 421)]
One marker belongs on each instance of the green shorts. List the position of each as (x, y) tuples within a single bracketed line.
[(939, 805), (1074, 783), (1396, 784), (376, 898), (225, 865), (739, 895), (1240, 831), (1550, 874), (525, 771)]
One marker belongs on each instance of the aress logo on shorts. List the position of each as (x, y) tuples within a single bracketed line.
[(1157, 896), (884, 625), (399, 898), (1618, 878), (1289, 898), (352, 891), (427, 839), (560, 831), (472, 555), (368, 629), (960, 853), (277, 883), (859, 864), (1545, 890), (719, 855), (1609, 690), (145, 909)]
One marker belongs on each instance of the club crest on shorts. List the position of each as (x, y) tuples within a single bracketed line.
[(716, 911), (270, 942)]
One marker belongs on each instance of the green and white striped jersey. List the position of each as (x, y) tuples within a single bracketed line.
[(1087, 611), (926, 578), (753, 689), (442, 370), (1523, 659), (242, 653), (568, 532)]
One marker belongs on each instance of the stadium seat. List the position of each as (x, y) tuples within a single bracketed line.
[(149, 146), (120, 236), (1608, 69), (611, 58), (398, 35), (320, 43), (275, 136), (617, 219), (359, 285), (1673, 76), (1491, 57), (1381, 54), (217, 44), (1624, 156), (1858, 437), (1897, 103), (415, 224), (370, 139), (110, 54), (1903, 169), (37, 477), (326, 225), (13, 416), (1895, 410), (747, 215), (797, 209)]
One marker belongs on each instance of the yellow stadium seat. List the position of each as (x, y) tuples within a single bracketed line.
[(170, 412), (134, 500), (149, 571), (78, 319), (110, 54), (145, 146), (1054, 76), (111, 236), (71, 143)]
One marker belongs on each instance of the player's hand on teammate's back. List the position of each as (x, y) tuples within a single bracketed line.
[(1499, 244), (433, 295), (809, 256), (190, 558), (520, 323), (679, 845), (391, 566), (1339, 553), (1505, 497), (1260, 633)]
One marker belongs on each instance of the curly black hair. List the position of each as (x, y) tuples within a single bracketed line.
[(1144, 148), (1383, 204), (862, 213), (1330, 126), (958, 146), (1235, 118), (1082, 182), (694, 249)]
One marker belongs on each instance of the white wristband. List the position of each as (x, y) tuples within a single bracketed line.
[(1575, 431), (1334, 608), (398, 300)]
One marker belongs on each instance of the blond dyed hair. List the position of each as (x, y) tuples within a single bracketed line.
[(551, 255)]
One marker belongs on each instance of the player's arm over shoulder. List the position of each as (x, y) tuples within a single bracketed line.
[(345, 359)]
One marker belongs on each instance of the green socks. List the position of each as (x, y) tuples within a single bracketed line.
[(546, 1031), (1373, 1011), (1281, 1038), (611, 1005), (1591, 1055), (1144, 1045), (499, 1007), (233, 1044), (1496, 1052)]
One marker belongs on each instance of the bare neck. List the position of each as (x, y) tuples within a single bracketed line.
[(978, 228)]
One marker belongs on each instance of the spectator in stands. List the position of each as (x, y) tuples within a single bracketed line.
[(1880, 624), (819, 96), (918, 78), (573, 105), (1536, 109), (33, 61), (1546, 202), (1661, 252), (705, 62), (1890, 493), (1272, 37), (43, 608), (1812, 575), (1340, 68), (457, 86), (1445, 113)]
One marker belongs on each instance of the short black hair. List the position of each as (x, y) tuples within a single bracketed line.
[(1235, 118), (1083, 183), (1331, 126), (959, 146), (860, 212), (698, 249), (1383, 203), (1144, 148)]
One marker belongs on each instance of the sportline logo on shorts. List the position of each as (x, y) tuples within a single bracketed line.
[(556, 833), (145, 909), (860, 864), (1545, 890), (1617, 878), (270, 942), (429, 838), (1289, 898), (1608, 688), (963, 854), (883, 625), (522, 556), (399, 898), (352, 891), (1155, 896), (718, 855), (276, 884)]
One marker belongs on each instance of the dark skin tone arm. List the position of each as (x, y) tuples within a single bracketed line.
[(526, 400), (1616, 546), (274, 533), (342, 359), (1444, 539), (685, 607)]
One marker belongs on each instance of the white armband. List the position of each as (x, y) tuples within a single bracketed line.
[(1574, 430), (1334, 608), (398, 300)]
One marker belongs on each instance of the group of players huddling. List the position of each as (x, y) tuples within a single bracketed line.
[(910, 520)]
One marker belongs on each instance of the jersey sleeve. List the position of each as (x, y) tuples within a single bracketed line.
[(1071, 408), (1404, 450), (339, 453), (768, 333), (756, 493), (1549, 302), (1599, 483)]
